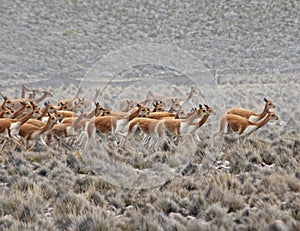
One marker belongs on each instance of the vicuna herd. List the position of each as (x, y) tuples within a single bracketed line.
[(25, 123)]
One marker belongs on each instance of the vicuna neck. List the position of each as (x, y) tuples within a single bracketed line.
[(264, 112), (191, 118), (47, 126), (263, 122), (40, 99), (190, 94), (26, 117), (203, 120), (133, 114), (43, 111)]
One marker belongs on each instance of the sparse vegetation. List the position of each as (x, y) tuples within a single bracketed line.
[(253, 50), (250, 186)]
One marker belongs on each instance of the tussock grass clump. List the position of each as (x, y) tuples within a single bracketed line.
[(72, 161), (9, 204), (167, 206), (247, 188), (61, 175), (63, 222), (215, 211), (83, 184), (101, 185), (213, 194), (234, 203), (94, 222), (190, 169), (197, 205), (22, 184), (24, 209), (293, 184), (6, 223), (48, 191), (190, 185), (26, 214), (97, 199), (296, 213), (71, 203)]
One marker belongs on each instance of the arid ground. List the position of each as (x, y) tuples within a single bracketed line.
[(251, 51)]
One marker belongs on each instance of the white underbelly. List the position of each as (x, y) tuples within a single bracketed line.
[(254, 119), (121, 126), (192, 129), (249, 129), (14, 128)]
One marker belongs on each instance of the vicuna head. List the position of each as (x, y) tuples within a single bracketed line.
[(269, 104)]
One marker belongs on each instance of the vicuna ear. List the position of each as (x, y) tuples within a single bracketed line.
[(46, 103), (97, 104), (138, 105), (265, 100), (206, 106), (200, 106)]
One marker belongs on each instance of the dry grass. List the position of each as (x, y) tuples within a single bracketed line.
[(251, 186)]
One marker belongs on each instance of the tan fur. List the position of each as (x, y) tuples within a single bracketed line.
[(48, 108), (30, 132), (126, 105), (25, 108), (17, 102), (11, 126), (63, 130), (239, 124), (110, 124), (6, 103), (176, 106), (158, 107), (195, 126), (67, 113), (160, 115), (248, 113), (6, 114), (175, 127), (35, 122), (32, 93), (192, 92), (68, 103), (146, 125)]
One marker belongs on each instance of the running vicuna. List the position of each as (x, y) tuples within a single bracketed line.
[(174, 128), (114, 124), (244, 127), (251, 115), (9, 128), (29, 132), (192, 130)]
